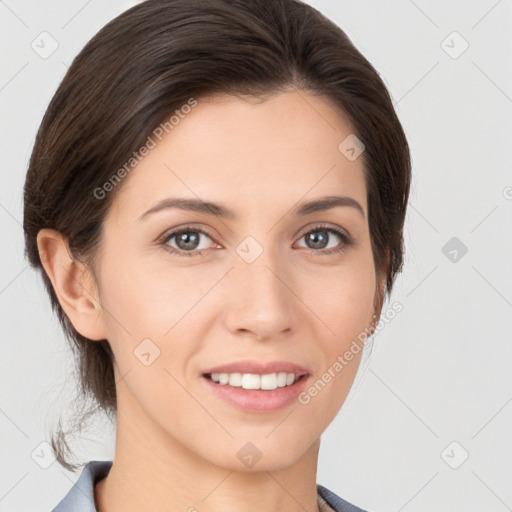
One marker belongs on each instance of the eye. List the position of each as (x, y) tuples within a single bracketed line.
[(187, 241), (319, 238)]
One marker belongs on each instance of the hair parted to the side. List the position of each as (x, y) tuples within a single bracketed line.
[(148, 62)]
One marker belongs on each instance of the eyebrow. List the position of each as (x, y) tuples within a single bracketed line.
[(219, 210)]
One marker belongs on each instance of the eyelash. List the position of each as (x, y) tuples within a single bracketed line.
[(347, 241)]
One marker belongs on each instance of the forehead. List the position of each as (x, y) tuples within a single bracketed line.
[(248, 154)]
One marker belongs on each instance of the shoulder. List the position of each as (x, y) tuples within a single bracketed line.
[(81, 496), (338, 504)]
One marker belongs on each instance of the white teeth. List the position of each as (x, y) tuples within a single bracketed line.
[(235, 379), (268, 381), (281, 379), (251, 381)]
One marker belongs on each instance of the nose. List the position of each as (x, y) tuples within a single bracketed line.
[(262, 301)]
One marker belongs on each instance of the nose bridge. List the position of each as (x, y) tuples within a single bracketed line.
[(262, 301)]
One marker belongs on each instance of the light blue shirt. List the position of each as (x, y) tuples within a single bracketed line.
[(80, 497)]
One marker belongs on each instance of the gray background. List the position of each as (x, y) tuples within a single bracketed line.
[(438, 387)]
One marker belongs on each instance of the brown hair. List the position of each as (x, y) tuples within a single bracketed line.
[(148, 62)]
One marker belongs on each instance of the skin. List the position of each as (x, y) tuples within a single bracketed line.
[(177, 442)]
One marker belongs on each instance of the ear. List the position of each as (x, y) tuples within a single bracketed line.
[(73, 284), (380, 290)]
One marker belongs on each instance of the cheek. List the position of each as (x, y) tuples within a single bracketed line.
[(155, 302), (146, 299), (343, 300), (345, 308), (344, 304)]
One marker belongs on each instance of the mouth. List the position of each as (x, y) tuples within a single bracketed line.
[(256, 393)]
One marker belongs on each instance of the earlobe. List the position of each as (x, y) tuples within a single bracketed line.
[(73, 284)]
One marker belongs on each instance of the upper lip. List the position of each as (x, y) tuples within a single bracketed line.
[(259, 368)]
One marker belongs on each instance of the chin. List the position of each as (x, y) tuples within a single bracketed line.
[(259, 454)]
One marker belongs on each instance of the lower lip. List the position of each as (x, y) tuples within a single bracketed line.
[(257, 400)]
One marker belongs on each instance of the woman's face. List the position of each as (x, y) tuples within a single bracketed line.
[(270, 283)]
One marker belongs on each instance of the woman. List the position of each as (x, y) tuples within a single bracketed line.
[(216, 200)]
